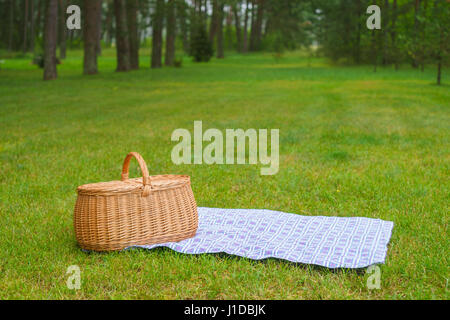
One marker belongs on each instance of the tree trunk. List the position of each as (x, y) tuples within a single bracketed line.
[(50, 40), (122, 42), (71, 34), (394, 34), (90, 34), (439, 70), (62, 29), (25, 27), (237, 24), (257, 26), (157, 35), (357, 52), (415, 62), (182, 17), (439, 57), (228, 33), (252, 26), (374, 51), (245, 36), (213, 23), (220, 53), (98, 47), (193, 23), (11, 24), (385, 21), (32, 35), (132, 7), (170, 34), (423, 39)]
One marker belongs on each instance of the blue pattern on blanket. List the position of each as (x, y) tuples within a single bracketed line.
[(332, 242)]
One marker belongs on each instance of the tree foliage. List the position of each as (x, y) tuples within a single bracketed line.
[(414, 32), (201, 46)]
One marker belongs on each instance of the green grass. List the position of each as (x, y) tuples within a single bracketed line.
[(352, 143)]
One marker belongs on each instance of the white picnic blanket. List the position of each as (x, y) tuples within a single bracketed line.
[(332, 242)]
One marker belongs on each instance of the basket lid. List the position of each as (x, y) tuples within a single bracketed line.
[(159, 182)]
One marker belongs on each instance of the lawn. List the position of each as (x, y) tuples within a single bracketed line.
[(352, 143)]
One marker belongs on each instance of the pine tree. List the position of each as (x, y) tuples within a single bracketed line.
[(201, 47)]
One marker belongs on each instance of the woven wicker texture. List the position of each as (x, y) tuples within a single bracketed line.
[(142, 211)]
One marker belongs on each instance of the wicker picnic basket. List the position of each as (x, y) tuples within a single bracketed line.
[(142, 211)]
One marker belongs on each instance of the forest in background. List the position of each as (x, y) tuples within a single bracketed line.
[(413, 32)]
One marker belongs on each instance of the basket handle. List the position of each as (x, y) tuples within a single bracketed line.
[(145, 175)]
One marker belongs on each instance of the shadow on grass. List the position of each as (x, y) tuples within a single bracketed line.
[(234, 258)]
